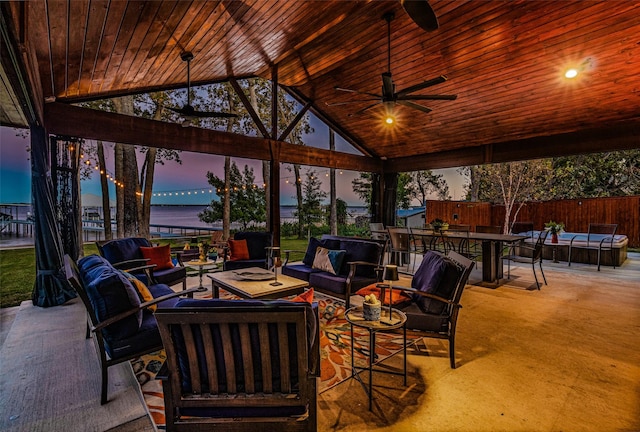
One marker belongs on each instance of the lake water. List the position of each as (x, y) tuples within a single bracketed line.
[(186, 216)]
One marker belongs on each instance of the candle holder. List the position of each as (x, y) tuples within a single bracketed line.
[(390, 274), (274, 254)]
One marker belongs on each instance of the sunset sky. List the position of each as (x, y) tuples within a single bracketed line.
[(185, 182)]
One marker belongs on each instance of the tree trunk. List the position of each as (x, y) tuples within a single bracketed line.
[(129, 204), (146, 180), (104, 186)]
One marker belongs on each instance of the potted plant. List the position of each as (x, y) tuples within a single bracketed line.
[(554, 229), (439, 225)]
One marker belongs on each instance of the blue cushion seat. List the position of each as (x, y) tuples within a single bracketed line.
[(299, 271), (110, 294)]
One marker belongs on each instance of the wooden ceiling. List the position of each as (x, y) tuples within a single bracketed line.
[(504, 59)]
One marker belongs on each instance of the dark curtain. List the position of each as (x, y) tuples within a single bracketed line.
[(51, 287), (64, 174)]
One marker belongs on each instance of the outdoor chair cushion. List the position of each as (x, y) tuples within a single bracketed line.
[(124, 249), (314, 243), (359, 250), (436, 275), (147, 335), (110, 293), (257, 242), (337, 283)]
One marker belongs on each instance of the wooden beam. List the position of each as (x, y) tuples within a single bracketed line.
[(619, 136), (19, 66), (300, 97), (247, 104), (112, 127), (294, 122)]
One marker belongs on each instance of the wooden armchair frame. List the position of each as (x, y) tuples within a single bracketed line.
[(262, 393)]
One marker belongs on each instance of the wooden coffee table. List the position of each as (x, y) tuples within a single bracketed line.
[(234, 282)]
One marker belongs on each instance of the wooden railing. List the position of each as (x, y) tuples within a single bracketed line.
[(576, 214)]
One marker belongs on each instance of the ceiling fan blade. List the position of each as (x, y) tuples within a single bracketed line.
[(414, 106), (428, 97), (357, 92), (349, 102), (421, 13), (388, 89), (428, 83), (365, 109)]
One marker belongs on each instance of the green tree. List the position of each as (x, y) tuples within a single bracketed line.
[(424, 183), (362, 187), (513, 183), (247, 199), (341, 212), (259, 93), (313, 195), (596, 175)]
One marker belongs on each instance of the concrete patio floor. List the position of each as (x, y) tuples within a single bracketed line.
[(564, 358)]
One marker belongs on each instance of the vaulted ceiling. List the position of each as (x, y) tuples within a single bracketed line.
[(505, 61)]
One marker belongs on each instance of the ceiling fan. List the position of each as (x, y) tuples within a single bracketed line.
[(421, 13), (390, 96), (187, 111)]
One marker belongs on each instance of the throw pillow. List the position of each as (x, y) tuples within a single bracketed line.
[(306, 296), (397, 297), (428, 279), (238, 250), (143, 291), (328, 260), (310, 255), (159, 255)]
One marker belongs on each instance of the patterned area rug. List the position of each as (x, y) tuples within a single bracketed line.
[(335, 354)]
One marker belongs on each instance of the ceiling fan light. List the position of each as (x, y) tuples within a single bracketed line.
[(389, 119), (571, 73)]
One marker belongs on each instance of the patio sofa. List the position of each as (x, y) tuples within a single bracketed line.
[(583, 245), (357, 267)]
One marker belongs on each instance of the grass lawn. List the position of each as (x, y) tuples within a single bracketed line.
[(18, 270)]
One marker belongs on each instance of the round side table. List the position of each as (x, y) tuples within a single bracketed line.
[(355, 317)]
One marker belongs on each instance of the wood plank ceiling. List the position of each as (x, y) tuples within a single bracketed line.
[(504, 59)]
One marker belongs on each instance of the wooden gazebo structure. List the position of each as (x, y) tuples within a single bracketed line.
[(505, 61)]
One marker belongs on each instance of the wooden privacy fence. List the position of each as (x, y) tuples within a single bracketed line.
[(576, 214)]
